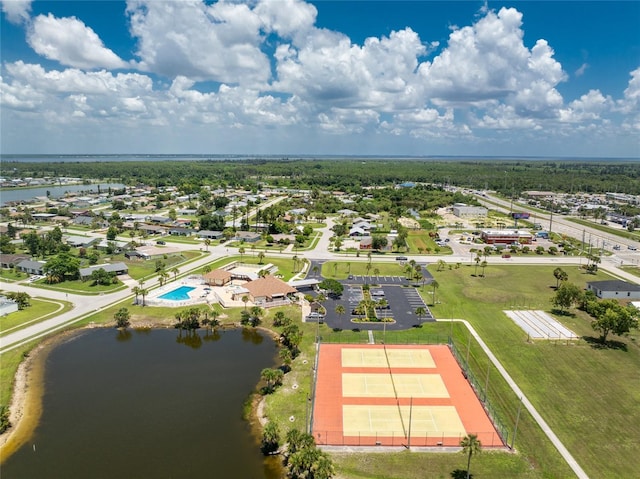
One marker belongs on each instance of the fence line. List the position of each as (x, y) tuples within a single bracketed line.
[(384, 438), (480, 392)]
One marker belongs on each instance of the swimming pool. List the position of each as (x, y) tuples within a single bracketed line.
[(178, 294)]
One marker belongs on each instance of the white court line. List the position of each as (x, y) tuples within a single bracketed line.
[(370, 423), (433, 420)]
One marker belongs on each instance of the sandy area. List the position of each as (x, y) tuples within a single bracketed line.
[(26, 400)]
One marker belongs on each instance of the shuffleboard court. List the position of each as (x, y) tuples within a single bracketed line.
[(376, 358), (384, 386)]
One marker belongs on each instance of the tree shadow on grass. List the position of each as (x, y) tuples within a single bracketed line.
[(460, 474), (596, 343), (563, 312)]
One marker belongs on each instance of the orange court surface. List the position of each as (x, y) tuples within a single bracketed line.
[(398, 395)]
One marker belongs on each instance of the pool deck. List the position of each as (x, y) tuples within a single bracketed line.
[(202, 294)]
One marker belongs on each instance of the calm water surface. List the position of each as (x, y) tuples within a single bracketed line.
[(152, 404)]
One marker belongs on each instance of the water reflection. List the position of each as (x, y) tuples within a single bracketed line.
[(141, 405)]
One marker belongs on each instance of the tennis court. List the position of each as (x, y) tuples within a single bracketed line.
[(395, 395)]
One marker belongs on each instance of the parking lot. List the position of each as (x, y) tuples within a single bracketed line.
[(402, 303)]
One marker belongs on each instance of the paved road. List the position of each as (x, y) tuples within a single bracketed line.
[(85, 305)]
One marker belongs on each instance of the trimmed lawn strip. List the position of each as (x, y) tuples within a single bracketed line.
[(39, 310), (345, 268)]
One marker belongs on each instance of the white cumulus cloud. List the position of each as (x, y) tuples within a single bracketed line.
[(219, 42), (70, 42), (17, 11)]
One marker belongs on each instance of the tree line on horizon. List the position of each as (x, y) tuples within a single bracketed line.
[(507, 177)]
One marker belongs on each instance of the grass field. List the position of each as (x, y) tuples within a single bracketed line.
[(588, 395)]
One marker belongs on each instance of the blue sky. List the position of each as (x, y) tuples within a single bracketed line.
[(287, 77)]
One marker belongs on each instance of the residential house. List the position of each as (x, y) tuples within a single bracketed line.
[(153, 229), (181, 231), (7, 306), (247, 236), (31, 267), (80, 241), (117, 268), (207, 234), (8, 261)]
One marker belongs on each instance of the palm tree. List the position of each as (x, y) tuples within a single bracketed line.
[(207, 242), (483, 265), (295, 263), (136, 291), (261, 256), (214, 318), (268, 375), (420, 312), (241, 250), (245, 300), (435, 285), (206, 269), (278, 319), (470, 445), (441, 265), (408, 270), (144, 293), (340, 310), (256, 313), (162, 276), (175, 272)]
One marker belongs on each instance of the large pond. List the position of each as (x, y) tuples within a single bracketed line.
[(148, 404), (24, 194)]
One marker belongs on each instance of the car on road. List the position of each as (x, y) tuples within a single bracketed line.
[(161, 242), (632, 248)]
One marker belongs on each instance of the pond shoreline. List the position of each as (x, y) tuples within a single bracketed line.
[(28, 386)]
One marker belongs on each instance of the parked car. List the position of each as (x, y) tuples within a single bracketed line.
[(315, 316), (161, 242)]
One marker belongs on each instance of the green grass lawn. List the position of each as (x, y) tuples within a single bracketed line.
[(588, 395), (11, 275), (79, 287), (342, 269), (419, 242), (39, 310), (139, 269)]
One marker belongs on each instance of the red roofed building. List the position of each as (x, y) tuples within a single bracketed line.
[(268, 289)]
